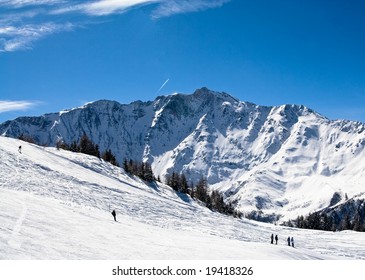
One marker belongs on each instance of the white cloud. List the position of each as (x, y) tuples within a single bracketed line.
[(14, 38), (164, 7), (101, 7), (106, 7), (172, 7), (22, 22), (6, 106), (22, 3)]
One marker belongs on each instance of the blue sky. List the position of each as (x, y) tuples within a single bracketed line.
[(59, 54)]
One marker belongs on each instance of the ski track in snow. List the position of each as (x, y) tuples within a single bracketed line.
[(15, 240), (166, 224)]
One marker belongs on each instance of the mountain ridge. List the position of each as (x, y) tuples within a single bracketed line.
[(262, 158)]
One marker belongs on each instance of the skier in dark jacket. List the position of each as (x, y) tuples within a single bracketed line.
[(272, 238), (292, 242), (20, 149), (276, 239), (114, 215), (289, 241)]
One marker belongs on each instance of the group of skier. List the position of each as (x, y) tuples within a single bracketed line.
[(290, 240), (276, 239)]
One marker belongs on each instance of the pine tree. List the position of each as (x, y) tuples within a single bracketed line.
[(345, 223), (314, 221), (74, 147), (142, 170), (184, 187), (126, 166), (27, 138), (148, 173), (326, 222), (62, 145), (201, 191), (218, 202), (174, 184), (86, 146), (357, 223), (109, 157)]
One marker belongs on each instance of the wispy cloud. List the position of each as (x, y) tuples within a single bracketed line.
[(22, 3), (13, 38), (7, 106), (172, 7), (108, 7), (22, 22)]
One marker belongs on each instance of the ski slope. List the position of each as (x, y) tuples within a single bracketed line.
[(56, 204)]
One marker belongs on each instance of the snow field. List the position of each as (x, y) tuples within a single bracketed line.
[(56, 205)]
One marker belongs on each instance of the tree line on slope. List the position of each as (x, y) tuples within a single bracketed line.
[(213, 200), (142, 170), (86, 146), (350, 216)]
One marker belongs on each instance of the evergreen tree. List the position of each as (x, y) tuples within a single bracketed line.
[(201, 190), (126, 166), (326, 222), (314, 221), (184, 187), (86, 146), (142, 170), (357, 226), (345, 223), (96, 151), (26, 138), (109, 157), (213, 201), (218, 202), (74, 147), (173, 181), (300, 221), (148, 173), (62, 145)]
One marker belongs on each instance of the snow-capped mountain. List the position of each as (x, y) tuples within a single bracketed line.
[(56, 204), (279, 162)]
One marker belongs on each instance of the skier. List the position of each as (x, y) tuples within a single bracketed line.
[(114, 215), (272, 238), (276, 239), (289, 241), (292, 241), (20, 149)]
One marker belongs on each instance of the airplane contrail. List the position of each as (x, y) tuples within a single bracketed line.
[(163, 85)]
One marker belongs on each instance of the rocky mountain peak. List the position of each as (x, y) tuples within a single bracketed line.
[(262, 158)]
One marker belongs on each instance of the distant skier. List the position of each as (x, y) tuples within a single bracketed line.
[(289, 241), (276, 239), (272, 238), (20, 149), (292, 242), (114, 215)]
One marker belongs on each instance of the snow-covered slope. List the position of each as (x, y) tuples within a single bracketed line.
[(279, 161), (56, 204)]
